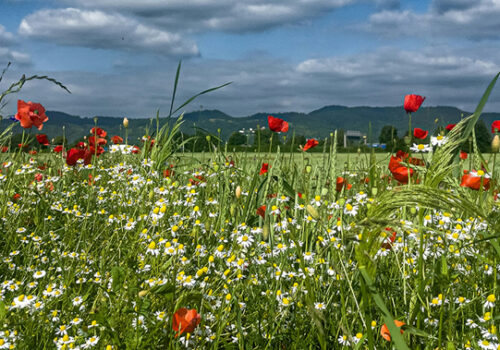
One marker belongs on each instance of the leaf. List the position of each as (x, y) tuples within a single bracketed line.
[(3, 311), (177, 74), (398, 340), (118, 275)]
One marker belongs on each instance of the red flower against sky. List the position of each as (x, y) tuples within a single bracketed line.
[(412, 103), (277, 124), (420, 133), (58, 149), (185, 321), (264, 168), (42, 139), (311, 143), (495, 126), (30, 114), (116, 140)]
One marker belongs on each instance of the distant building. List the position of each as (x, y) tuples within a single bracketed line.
[(354, 137)]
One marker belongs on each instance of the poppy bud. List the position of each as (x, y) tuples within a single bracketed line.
[(125, 123), (495, 144), (308, 169), (312, 211), (238, 192), (232, 210), (208, 137), (265, 232), (324, 191), (143, 293)]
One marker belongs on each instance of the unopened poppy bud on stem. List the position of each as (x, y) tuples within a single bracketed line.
[(238, 192), (125, 123), (495, 144)]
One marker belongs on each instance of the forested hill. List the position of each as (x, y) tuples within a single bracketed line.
[(319, 123)]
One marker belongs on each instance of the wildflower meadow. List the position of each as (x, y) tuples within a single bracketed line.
[(116, 244)]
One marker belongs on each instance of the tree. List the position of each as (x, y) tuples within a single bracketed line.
[(389, 136), (483, 138), (237, 139)]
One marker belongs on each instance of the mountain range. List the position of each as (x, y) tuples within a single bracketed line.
[(318, 123)]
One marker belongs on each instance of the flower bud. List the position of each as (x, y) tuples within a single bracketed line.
[(125, 123), (312, 211), (238, 192), (495, 144), (143, 293), (265, 232)]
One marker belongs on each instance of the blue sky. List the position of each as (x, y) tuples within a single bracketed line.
[(118, 57)]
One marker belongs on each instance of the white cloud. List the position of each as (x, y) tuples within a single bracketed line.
[(101, 30), (6, 38), (474, 20), (224, 15), (15, 57)]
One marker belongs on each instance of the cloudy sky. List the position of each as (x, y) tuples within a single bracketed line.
[(118, 57)]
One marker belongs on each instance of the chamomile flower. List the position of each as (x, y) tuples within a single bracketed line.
[(320, 306), (438, 140), (490, 301), (420, 148), (245, 240)]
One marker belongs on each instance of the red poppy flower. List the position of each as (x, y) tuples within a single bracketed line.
[(39, 177), (341, 183), (310, 144), (58, 149), (97, 151), (420, 134), (32, 152), (473, 181), (117, 140), (100, 141), (42, 139), (277, 124), (99, 132), (495, 126), (463, 155), (5, 149), (30, 114), (388, 243), (261, 210), (75, 154), (16, 197), (135, 150), (450, 127), (401, 174), (384, 331), (264, 169), (22, 145), (185, 321), (412, 103)]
